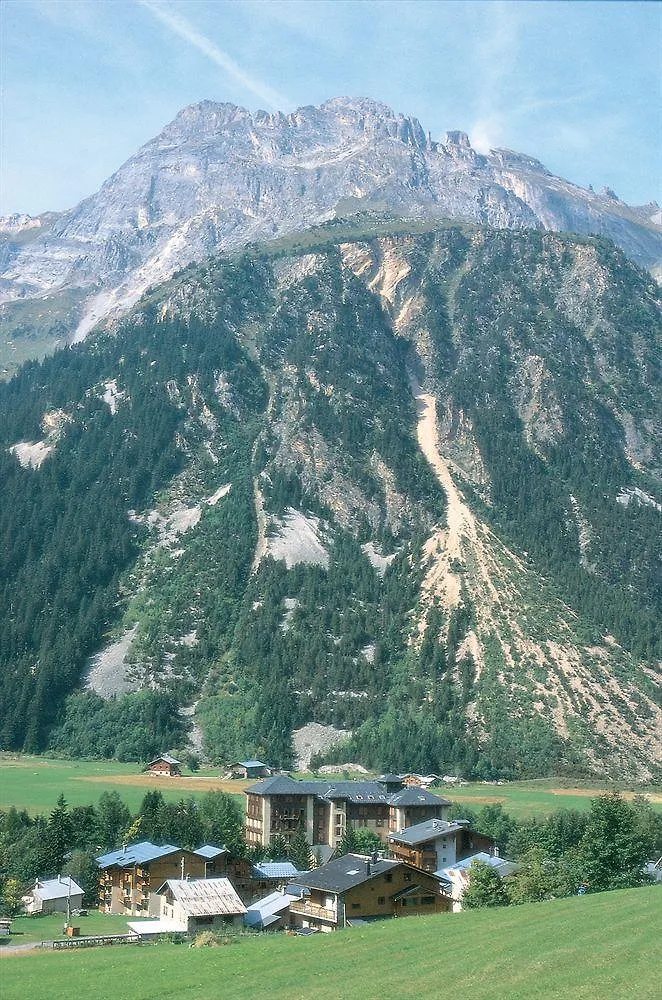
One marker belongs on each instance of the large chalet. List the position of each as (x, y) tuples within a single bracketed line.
[(357, 888), (436, 844), (280, 806)]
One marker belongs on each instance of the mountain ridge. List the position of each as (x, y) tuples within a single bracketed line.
[(218, 177)]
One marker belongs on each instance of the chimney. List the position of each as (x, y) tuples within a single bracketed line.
[(374, 857), (59, 878), (368, 869)]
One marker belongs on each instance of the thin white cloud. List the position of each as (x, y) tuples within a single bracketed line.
[(183, 29)]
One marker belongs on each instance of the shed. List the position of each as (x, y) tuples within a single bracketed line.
[(54, 895), (249, 769), (201, 904)]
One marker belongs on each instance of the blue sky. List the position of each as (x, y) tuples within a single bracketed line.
[(84, 84)]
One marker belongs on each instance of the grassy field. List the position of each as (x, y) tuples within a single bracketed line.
[(602, 947), (34, 783), (49, 928), (523, 799)]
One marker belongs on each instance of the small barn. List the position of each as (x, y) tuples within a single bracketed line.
[(165, 766), (53, 895), (249, 769), (201, 904)]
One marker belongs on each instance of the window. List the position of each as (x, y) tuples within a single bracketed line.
[(381, 900), (388, 877), (427, 900), (356, 906), (407, 876)]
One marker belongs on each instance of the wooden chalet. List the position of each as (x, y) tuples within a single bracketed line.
[(355, 888), (165, 766), (129, 877), (436, 844)]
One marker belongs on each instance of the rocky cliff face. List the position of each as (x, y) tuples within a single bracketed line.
[(402, 479), (219, 177)]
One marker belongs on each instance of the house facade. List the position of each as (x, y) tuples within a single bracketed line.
[(357, 888), (129, 877), (165, 766), (280, 806), (436, 844)]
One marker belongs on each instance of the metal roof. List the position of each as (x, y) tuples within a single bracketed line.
[(501, 865), (275, 869), (57, 888), (268, 910), (345, 873), (210, 852), (249, 763), (430, 829), (135, 854), (204, 897), (166, 757)]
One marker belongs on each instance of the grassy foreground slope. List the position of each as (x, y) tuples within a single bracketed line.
[(587, 948)]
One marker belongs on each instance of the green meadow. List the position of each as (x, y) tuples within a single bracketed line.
[(34, 783), (523, 799), (602, 947)]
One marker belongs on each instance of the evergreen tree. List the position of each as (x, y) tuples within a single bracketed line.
[(613, 850), (299, 851)]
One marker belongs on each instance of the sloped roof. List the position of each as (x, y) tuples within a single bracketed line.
[(210, 852), (275, 869), (345, 873), (417, 797), (501, 865), (358, 792), (248, 763), (430, 829), (166, 757), (204, 897), (268, 910), (135, 854), (57, 888)]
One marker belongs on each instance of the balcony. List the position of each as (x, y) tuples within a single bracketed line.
[(314, 910)]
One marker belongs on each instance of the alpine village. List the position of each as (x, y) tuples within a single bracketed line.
[(331, 572)]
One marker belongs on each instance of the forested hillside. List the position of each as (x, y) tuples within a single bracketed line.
[(400, 479)]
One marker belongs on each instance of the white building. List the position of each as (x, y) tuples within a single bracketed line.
[(54, 895)]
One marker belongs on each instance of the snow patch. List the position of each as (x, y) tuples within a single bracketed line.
[(297, 539)]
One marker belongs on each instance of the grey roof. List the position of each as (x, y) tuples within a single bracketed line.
[(249, 763), (166, 757), (57, 888), (210, 852), (500, 865), (430, 829), (275, 869), (417, 797), (266, 911), (359, 792), (135, 854), (345, 873), (204, 897)]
